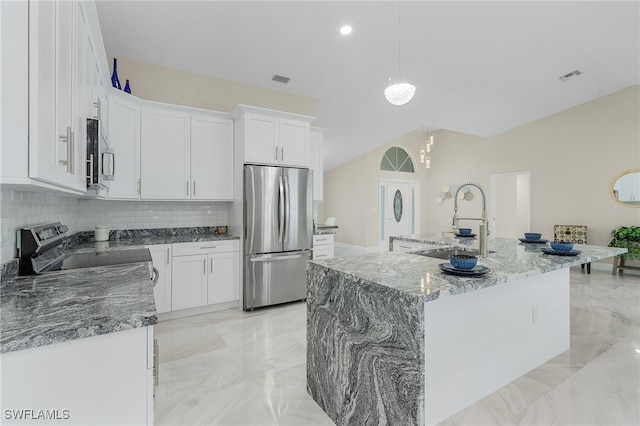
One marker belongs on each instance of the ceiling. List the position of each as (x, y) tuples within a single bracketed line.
[(479, 67)]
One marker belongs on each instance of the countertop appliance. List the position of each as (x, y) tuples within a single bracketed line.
[(278, 224), (44, 248)]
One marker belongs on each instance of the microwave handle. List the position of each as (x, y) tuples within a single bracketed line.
[(111, 165)]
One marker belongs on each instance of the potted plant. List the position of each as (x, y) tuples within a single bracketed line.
[(627, 237)]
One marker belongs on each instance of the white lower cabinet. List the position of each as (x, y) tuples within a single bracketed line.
[(205, 273), (323, 246), (161, 256), (189, 281), (99, 380)]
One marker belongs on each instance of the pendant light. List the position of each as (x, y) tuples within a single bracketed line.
[(400, 89)]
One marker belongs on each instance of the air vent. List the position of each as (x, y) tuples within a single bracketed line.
[(570, 75), (280, 79)]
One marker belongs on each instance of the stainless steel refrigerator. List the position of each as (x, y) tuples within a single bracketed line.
[(278, 218)]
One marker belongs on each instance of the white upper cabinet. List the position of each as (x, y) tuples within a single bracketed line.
[(56, 103), (273, 137), (211, 157), (124, 139), (185, 155), (315, 146), (165, 150)]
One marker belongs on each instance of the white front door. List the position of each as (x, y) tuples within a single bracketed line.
[(399, 209)]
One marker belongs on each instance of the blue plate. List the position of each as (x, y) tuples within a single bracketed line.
[(560, 252), (476, 271), (464, 236), (541, 241)]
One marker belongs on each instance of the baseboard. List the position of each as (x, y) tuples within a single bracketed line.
[(197, 311)]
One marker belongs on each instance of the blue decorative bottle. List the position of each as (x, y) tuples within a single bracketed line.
[(127, 88), (115, 81)]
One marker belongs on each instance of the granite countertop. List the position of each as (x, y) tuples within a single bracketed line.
[(55, 307), (324, 231), (420, 276), (137, 238)]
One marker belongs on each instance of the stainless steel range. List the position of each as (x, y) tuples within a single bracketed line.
[(44, 248)]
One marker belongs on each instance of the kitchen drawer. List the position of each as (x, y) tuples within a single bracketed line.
[(205, 247), (323, 252), (321, 240), (404, 246)]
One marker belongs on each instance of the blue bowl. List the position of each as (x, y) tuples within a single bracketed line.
[(464, 231), (561, 246), (463, 261), (533, 236)]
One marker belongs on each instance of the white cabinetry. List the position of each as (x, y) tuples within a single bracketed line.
[(323, 246), (185, 156), (273, 137), (165, 137), (161, 256), (99, 380), (315, 144), (124, 139), (211, 157), (205, 273), (57, 124)]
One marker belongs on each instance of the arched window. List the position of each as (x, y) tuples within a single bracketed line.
[(396, 160)]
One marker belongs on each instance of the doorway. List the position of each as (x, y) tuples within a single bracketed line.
[(399, 211), (510, 206)]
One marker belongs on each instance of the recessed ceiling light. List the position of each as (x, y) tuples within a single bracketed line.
[(570, 75), (346, 30)]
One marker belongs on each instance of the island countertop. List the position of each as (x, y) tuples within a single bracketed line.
[(417, 275)]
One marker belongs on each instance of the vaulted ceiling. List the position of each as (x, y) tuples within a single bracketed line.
[(479, 67)]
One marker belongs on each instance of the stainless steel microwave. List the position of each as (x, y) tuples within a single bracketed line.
[(100, 158)]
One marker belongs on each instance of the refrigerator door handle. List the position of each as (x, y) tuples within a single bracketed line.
[(287, 209), (253, 209), (281, 200), (277, 258)]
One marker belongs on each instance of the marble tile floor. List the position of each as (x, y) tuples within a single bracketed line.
[(248, 368)]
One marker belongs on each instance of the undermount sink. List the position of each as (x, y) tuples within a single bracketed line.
[(445, 254)]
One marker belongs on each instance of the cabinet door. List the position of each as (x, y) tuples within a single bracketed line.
[(165, 140), (223, 277), (79, 97), (50, 30), (211, 158), (293, 139), (188, 281), (124, 139), (315, 160), (161, 256), (260, 139)]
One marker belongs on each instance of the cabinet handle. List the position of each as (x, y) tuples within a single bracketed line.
[(194, 188), (67, 139), (139, 186), (204, 266), (276, 153), (206, 248), (187, 187), (212, 265), (282, 153), (72, 161), (167, 255), (321, 239)]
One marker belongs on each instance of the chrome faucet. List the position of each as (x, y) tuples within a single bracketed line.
[(484, 224)]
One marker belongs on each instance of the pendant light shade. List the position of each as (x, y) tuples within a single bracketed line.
[(400, 90)]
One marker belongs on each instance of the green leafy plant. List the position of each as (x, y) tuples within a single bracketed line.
[(627, 237)]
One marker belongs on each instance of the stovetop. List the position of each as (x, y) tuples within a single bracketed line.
[(101, 258)]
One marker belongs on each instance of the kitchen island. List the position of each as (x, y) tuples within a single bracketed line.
[(392, 339)]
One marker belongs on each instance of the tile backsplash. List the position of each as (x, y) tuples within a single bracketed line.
[(25, 208)]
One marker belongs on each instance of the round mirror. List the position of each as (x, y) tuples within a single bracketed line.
[(625, 188)]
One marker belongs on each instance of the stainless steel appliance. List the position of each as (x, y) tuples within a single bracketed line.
[(278, 219), (100, 158), (43, 248)]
